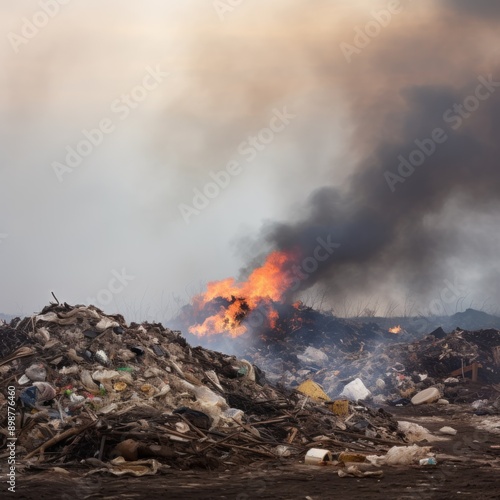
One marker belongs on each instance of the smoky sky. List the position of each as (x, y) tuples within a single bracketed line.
[(408, 229), (322, 175), (384, 232), (483, 8)]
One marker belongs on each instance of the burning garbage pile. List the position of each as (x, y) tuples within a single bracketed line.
[(261, 311), (132, 399), (232, 308), (292, 343)]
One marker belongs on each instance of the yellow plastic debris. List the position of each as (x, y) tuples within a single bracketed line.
[(313, 390), (120, 386), (148, 389), (340, 407), (346, 456)]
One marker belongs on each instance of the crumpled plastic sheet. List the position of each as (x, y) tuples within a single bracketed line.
[(120, 467)]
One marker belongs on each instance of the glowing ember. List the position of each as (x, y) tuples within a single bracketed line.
[(395, 330), (265, 285)]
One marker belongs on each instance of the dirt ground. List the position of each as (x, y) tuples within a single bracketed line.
[(467, 467)]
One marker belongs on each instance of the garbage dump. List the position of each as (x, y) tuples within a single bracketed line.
[(133, 399), (384, 371)]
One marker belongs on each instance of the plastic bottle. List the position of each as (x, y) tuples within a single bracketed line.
[(428, 461)]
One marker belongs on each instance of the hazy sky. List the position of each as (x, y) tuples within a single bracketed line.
[(179, 89)]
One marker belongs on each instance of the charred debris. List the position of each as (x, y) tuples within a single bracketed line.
[(136, 399)]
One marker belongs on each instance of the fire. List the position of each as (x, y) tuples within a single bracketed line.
[(395, 329), (265, 285), (273, 318)]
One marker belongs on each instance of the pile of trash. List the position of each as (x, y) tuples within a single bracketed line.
[(438, 355), (388, 372), (296, 326), (132, 399)]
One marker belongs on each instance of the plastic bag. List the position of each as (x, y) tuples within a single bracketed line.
[(355, 391)]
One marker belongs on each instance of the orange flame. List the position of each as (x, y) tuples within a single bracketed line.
[(395, 329), (266, 284)]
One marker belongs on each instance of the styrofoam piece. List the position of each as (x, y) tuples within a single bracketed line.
[(316, 456), (429, 395), (450, 431)]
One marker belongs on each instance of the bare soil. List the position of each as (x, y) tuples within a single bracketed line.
[(468, 467)]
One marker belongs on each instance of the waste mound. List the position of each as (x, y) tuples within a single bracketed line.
[(133, 399), (389, 371)]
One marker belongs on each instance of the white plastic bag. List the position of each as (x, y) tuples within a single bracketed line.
[(401, 455), (355, 390)]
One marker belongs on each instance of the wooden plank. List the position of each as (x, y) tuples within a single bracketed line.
[(474, 368)]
